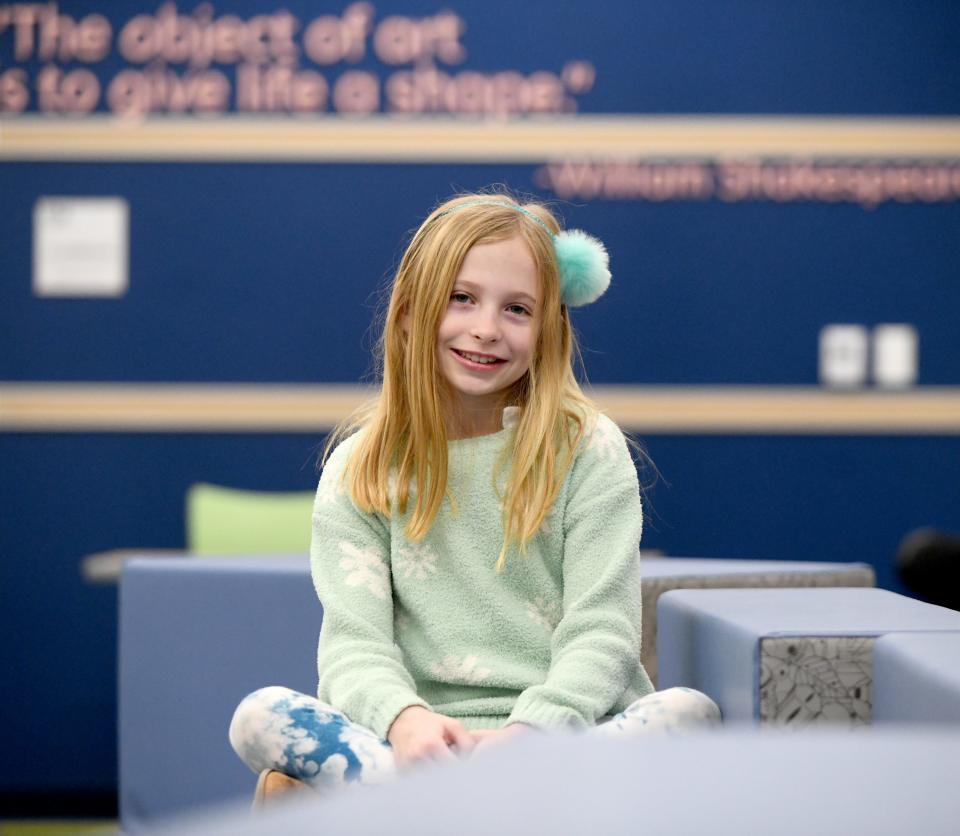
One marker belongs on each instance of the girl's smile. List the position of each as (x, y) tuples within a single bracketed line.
[(487, 335), (478, 362)]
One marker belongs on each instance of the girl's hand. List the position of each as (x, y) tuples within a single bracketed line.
[(418, 734), (486, 738)]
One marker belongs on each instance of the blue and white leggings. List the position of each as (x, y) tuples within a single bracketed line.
[(276, 728)]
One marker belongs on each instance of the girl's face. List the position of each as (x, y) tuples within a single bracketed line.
[(488, 334)]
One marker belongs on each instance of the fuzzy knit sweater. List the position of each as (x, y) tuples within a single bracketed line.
[(552, 640)]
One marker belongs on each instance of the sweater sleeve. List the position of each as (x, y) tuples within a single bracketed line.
[(595, 649), (361, 668)]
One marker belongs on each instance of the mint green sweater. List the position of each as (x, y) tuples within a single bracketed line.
[(553, 640)]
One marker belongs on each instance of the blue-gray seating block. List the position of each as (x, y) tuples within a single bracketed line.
[(710, 639), (196, 636), (696, 567), (662, 574), (917, 678), (887, 783)]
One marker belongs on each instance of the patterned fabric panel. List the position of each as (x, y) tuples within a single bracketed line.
[(653, 588), (818, 680)]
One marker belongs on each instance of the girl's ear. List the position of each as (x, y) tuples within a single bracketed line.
[(405, 321)]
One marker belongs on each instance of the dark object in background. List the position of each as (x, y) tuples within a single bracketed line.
[(929, 564)]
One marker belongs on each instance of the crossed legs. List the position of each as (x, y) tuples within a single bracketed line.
[(276, 728)]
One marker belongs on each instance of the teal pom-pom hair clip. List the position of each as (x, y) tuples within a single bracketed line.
[(584, 267), (582, 260)]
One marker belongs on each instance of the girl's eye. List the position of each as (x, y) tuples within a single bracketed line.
[(459, 296), (520, 310)]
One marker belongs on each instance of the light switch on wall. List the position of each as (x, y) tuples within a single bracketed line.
[(843, 355), (895, 355)]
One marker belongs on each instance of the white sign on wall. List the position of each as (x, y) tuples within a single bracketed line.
[(80, 246)]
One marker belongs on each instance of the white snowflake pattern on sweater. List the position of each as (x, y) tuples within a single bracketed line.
[(330, 490), (543, 612), (452, 669), (604, 437), (416, 560), (367, 568)]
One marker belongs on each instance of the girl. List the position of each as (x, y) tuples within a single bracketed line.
[(475, 532)]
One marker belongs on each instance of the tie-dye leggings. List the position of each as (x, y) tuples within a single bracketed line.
[(276, 728)]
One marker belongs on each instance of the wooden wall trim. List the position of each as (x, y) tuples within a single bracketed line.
[(383, 138), (275, 408)]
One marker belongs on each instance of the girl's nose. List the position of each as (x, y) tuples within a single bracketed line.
[(485, 326)]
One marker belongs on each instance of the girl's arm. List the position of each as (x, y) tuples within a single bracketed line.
[(361, 668), (595, 649)]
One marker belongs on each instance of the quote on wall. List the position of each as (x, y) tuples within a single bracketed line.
[(200, 62)]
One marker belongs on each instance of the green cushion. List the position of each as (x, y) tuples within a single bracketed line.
[(227, 521)]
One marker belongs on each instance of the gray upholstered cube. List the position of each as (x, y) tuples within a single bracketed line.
[(732, 783), (662, 574), (917, 679), (196, 636), (785, 657)]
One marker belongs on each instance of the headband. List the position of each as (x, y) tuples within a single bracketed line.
[(582, 260)]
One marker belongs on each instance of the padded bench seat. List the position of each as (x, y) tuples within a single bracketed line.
[(196, 636), (917, 678), (735, 783), (786, 657), (662, 574), (199, 633)]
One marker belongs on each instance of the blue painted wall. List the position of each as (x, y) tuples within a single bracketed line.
[(267, 273)]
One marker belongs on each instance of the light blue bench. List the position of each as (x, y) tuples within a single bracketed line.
[(198, 634), (917, 678), (726, 784), (789, 657), (663, 574)]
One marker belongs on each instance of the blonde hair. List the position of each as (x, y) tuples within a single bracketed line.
[(405, 428)]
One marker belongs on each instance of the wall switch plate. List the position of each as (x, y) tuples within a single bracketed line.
[(843, 355), (895, 355)]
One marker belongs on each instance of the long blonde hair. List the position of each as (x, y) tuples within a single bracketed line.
[(405, 430)]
